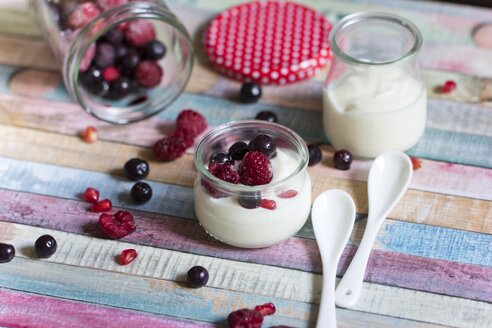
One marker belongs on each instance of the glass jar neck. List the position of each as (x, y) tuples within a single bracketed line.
[(375, 39)]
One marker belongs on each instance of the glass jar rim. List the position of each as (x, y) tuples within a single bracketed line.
[(358, 17), (240, 189)]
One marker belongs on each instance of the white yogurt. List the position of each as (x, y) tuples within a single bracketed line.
[(229, 222), (373, 111)]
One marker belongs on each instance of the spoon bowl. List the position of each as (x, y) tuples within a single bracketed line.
[(333, 216)]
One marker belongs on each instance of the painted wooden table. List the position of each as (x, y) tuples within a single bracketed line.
[(432, 261)]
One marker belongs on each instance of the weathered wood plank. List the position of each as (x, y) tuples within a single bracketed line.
[(225, 275), (385, 267), (20, 309)]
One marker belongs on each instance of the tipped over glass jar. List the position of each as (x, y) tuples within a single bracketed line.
[(374, 95), (237, 203), (121, 60)]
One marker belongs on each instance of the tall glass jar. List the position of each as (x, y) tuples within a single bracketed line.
[(76, 29), (374, 98)]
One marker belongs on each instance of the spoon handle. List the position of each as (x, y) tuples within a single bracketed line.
[(348, 290), (327, 315)]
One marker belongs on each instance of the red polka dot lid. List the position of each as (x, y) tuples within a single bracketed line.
[(269, 42)]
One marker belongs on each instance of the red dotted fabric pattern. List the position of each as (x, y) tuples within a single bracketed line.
[(268, 42)]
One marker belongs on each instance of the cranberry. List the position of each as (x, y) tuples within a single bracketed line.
[(105, 55), (136, 169), (245, 318), (117, 226), (191, 121), (238, 150), (266, 309), (110, 74), (155, 50), (102, 206), (141, 193), (255, 169), (197, 276), (342, 159), (148, 74), (221, 158), (291, 193), (315, 154), (7, 253), (127, 256), (268, 204), (90, 134), (139, 32), (45, 246), (250, 92), (113, 36), (265, 144), (91, 195), (448, 86), (267, 116), (250, 200), (170, 148), (416, 163)]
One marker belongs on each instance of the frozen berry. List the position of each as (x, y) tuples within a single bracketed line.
[(91, 195), (120, 51), (105, 55), (225, 171), (113, 36), (267, 116), (255, 169), (90, 77), (416, 163), (155, 50), (266, 309), (110, 74), (82, 15), (136, 169), (290, 193), (265, 144), (148, 74), (238, 150), (197, 276), (268, 204), (85, 61), (89, 134), (141, 193), (250, 92), (45, 246), (250, 200), (315, 154), (117, 226), (139, 32), (245, 318), (108, 4), (221, 158), (119, 88), (182, 133), (448, 86), (127, 256), (102, 206), (7, 253), (342, 159), (129, 62), (191, 121), (170, 148)]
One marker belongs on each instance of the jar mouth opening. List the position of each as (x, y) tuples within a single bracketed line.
[(268, 128), (142, 105), (354, 21)]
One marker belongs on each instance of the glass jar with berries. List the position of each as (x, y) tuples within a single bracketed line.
[(121, 60), (252, 189)]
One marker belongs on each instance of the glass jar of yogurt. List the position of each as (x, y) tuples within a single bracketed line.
[(260, 215), (374, 98), (121, 60)]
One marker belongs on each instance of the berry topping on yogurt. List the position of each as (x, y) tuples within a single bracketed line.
[(255, 169)]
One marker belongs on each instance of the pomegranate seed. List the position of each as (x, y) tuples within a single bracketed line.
[(291, 193), (128, 256), (416, 163), (266, 309), (268, 204), (448, 86), (91, 195), (90, 134), (102, 206), (110, 74)]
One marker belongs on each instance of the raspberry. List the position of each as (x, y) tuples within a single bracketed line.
[(266, 309), (127, 256), (291, 193), (191, 121), (91, 195), (148, 74), (255, 169), (225, 171), (117, 226), (90, 134), (182, 133), (85, 61), (245, 318), (139, 32), (268, 204), (108, 4), (102, 206), (170, 148), (110, 73), (82, 15)]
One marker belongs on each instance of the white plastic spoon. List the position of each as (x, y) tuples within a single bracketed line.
[(333, 217), (389, 177)]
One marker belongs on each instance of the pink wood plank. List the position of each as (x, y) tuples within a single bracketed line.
[(389, 268), (19, 309)]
